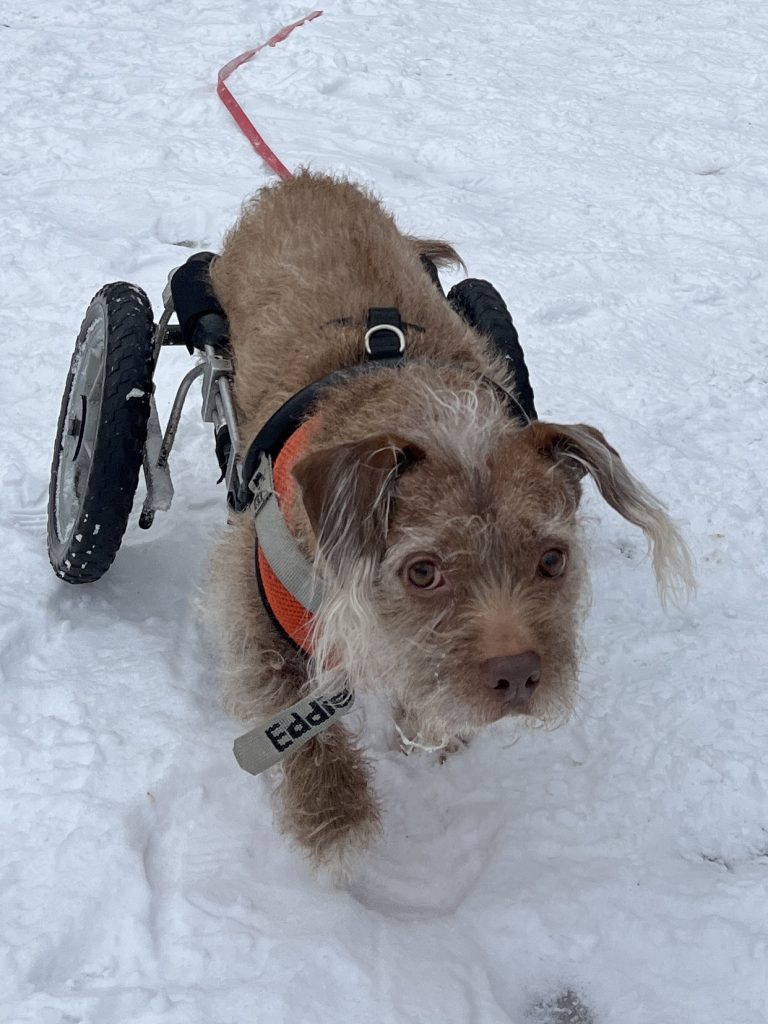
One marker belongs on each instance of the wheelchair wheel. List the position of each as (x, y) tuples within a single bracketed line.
[(101, 433), (480, 305)]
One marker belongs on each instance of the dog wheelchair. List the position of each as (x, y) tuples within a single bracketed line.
[(109, 429)]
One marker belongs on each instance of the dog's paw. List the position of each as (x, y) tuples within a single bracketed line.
[(328, 804), (339, 855)]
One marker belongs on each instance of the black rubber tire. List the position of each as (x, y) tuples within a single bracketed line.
[(92, 488), (479, 304)]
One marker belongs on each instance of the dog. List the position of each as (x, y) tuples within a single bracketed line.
[(445, 531)]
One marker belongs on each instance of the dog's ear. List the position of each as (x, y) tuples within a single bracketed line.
[(577, 449), (347, 490)]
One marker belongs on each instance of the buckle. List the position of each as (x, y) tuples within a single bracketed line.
[(387, 332), (385, 338), (260, 485)]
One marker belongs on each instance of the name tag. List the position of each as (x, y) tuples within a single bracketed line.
[(271, 741)]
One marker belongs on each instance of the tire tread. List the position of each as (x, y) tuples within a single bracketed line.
[(479, 304)]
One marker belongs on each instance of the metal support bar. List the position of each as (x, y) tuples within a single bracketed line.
[(158, 478), (163, 326), (175, 415), (218, 408), (216, 367), (225, 413)]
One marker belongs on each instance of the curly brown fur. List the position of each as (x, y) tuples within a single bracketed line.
[(327, 801), (414, 463)]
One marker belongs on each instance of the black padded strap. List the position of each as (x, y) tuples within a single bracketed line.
[(201, 318)]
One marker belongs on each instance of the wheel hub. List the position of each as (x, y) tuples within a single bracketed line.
[(82, 418)]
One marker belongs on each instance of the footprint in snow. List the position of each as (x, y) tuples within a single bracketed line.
[(565, 1008)]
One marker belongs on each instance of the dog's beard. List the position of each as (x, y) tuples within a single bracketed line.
[(345, 633)]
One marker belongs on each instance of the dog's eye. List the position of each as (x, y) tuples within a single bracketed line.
[(552, 563), (424, 575)]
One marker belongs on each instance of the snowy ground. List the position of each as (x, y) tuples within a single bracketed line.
[(604, 164)]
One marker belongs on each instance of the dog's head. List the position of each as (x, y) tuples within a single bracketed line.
[(452, 555)]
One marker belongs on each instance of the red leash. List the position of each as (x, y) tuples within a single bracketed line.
[(237, 112)]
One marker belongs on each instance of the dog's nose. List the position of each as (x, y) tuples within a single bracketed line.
[(513, 677)]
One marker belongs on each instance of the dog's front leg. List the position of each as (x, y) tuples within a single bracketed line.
[(327, 801)]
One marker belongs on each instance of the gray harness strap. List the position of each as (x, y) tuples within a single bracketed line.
[(276, 738), (281, 551), (272, 740)]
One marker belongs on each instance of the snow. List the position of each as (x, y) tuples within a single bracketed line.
[(604, 165)]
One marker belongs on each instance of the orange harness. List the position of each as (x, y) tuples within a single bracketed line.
[(291, 616)]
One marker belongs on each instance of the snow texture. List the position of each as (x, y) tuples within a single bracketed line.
[(604, 165)]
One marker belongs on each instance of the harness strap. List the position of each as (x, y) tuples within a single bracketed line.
[(272, 740), (285, 558)]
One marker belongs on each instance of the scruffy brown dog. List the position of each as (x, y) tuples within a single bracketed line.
[(445, 533)]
